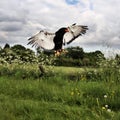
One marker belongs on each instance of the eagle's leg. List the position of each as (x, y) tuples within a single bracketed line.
[(60, 51), (63, 51)]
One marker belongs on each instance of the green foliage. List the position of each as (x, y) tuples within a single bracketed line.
[(57, 97), (75, 53), (16, 54), (75, 56), (62, 93), (7, 46)]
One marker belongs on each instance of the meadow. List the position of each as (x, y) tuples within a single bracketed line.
[(62, 93)]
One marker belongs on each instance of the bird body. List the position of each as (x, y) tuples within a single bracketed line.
[(55, 41), (58, 39)]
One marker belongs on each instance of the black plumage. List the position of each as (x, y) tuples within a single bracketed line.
[(58, 39)]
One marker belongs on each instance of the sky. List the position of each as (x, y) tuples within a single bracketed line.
[(20, 19)]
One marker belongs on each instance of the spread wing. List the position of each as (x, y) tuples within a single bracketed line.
[(43, 40), (74, 32)]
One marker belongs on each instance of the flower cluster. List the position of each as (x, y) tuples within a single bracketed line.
[(106, 106), (75, 92)]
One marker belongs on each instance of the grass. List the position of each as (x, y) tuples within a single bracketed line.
[(56, 96)]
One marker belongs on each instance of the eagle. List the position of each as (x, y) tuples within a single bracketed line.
[(56, 41)]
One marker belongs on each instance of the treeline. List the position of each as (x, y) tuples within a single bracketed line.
[(75, 56)]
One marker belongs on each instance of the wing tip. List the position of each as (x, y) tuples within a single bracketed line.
[(85, 27), (29, 38)]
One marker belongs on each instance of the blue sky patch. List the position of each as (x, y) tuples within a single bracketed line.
[(72, 2)]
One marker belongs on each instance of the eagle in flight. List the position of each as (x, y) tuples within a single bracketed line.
[(55, 41)]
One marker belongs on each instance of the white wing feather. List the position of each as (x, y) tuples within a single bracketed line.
[(43, 40), (74, 32)]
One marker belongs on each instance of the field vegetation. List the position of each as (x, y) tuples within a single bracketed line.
[(89, 91)]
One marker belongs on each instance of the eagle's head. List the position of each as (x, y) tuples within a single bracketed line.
[(62, 31)]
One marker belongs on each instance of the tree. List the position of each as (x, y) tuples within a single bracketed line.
[(75, 52), (117, 58), (7, 46), (0, 48), (24, 54), (7, 54), (18, 48)]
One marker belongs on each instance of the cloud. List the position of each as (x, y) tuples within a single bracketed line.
[(13, 27), (20, 19)]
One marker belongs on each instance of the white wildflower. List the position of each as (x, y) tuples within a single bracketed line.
[(106, 106), (109, 110), (105, 96)]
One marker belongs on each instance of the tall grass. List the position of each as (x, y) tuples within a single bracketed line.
[(61, 93)]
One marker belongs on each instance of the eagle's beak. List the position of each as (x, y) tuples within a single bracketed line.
[(66, 30)]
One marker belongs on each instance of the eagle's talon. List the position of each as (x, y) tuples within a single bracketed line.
[(57, 53), (60, 51)]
